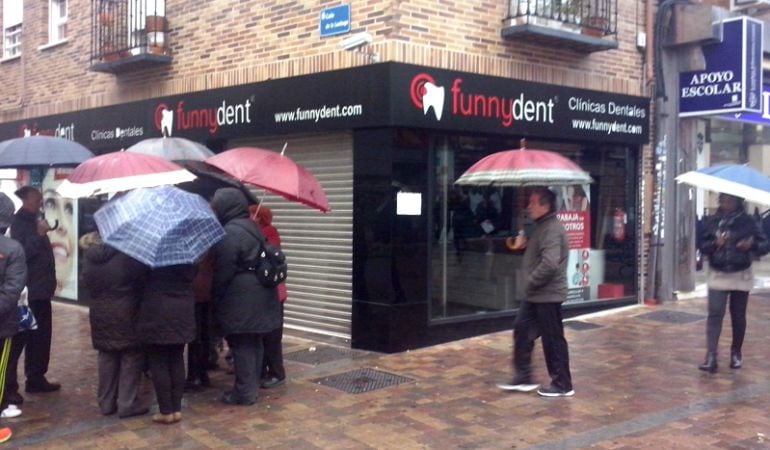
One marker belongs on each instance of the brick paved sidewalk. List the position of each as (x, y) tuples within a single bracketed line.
[(634, 372)]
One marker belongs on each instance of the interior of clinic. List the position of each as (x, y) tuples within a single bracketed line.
[(470, 270)]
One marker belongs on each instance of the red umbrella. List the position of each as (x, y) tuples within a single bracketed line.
[(274, 172), (522, 167), (121, 171)]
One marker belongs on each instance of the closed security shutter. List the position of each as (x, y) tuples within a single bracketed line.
[(318, 246)]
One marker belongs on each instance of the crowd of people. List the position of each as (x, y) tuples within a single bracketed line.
[(141, 317)]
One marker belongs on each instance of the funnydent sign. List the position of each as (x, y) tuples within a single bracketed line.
[(376, 95), (732, 81)]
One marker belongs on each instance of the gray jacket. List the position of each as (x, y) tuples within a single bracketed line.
[(13, 273), (545, 260)]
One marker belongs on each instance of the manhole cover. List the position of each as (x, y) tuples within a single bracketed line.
[(320, 355), (678, 317), (361, 380), (580, 326)]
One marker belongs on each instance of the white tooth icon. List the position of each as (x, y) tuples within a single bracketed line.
[(434, 97)]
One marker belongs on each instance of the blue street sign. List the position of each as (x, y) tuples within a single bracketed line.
[(335, 21), (732, 81)]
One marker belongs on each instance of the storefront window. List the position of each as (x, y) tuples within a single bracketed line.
[(473, 271)]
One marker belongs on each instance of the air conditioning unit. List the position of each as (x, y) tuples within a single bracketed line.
[(740, 5)]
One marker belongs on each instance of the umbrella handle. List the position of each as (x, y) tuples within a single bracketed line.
[(55, 225)]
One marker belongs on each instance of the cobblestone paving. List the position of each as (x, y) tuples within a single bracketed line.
[(636, 381)]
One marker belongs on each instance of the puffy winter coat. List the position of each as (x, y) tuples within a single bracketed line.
[(41, 270), (736, 227), (114, 281), (167, 307), (545, 260), (241, 303), (13, 273)]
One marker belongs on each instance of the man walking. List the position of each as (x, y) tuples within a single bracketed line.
[(545, 257), (31, 232)]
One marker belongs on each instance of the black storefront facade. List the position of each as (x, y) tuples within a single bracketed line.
[(406, 258)]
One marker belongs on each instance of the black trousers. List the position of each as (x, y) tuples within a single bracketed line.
[(535, 320), (167, 371), (198, 349), (36, 345), (717, 305), (247, 349), (272, 363)]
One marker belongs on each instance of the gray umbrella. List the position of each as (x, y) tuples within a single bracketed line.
[(172, 149), (35, 151)]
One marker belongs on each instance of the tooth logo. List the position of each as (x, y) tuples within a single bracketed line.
[(426, 95), (167, 122)]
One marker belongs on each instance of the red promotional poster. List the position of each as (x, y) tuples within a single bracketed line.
[(578, 225)]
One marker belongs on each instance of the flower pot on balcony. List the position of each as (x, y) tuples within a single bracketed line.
[(106, 19), (595, 26), (155, 24), (156, 49)]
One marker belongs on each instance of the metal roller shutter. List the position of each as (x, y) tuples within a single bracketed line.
[(318, 246)]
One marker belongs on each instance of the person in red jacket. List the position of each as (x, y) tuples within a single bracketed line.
[(273, 372)]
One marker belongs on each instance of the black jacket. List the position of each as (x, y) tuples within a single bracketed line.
[(114, 281), (13, 273), (167, 309), (241, 303), (737, 226), (41, 271)]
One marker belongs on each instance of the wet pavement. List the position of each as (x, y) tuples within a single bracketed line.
[(634, 371)]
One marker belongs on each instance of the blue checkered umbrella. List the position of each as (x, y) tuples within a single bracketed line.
[(160, 226)]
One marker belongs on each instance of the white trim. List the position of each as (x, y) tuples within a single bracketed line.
[(51, 45)]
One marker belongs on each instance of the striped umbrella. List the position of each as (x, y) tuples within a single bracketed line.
[(524, 167)]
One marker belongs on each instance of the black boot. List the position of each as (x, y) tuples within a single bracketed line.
[(736, 360), (710, 365)]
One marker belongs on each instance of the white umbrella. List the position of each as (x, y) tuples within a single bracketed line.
[(739, 180)]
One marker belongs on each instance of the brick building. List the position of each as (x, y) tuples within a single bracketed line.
[(387, 102)]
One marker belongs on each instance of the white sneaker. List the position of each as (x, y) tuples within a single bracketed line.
[(517, 386), (10, 412)]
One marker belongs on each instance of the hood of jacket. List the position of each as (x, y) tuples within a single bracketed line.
[(229, 204)]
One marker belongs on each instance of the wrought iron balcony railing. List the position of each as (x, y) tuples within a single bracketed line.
[(128, 34), (593, 19)]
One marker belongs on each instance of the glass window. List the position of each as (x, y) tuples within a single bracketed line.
[(472, 269), (57, 20), (12, 18)]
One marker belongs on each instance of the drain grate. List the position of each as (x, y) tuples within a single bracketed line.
[(320, 355), (361, 380), (580, 326), (678, 317)]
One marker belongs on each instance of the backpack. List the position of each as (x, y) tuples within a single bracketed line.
[(270, 266)]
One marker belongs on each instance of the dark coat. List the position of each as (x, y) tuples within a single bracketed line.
[(114, 281), (41, 270), (167, 308), (241, 303), (545, 260), (737, 226), (13, 273)]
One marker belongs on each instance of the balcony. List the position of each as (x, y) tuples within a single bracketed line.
[(128, 35), (581, 25)]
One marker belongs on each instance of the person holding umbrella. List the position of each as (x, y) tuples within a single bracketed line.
[(244, 309), (730, 239), (273, 371), (545, 259), (114, 281)]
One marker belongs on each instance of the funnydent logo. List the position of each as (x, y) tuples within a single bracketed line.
[(425, 94)]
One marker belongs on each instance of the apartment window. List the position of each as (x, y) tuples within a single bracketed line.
[(12, 15), (57, 20)]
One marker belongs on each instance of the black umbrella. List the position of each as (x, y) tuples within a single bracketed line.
[(209, 179), (36, 151)]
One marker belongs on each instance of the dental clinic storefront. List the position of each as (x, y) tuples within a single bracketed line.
[(406, 258)]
